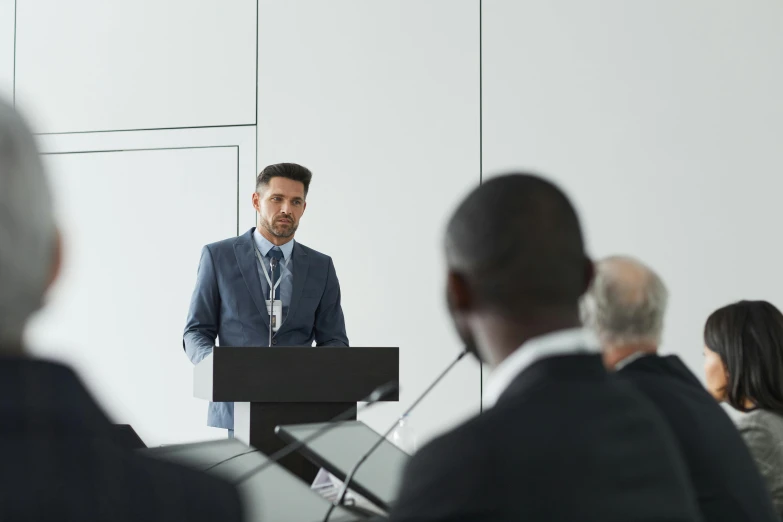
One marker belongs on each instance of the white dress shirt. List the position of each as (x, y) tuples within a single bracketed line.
[(563, 342), (286, 269)]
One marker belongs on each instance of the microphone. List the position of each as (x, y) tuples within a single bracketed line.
[(272, 266), (378, 394), (381, 392), (349, 477)]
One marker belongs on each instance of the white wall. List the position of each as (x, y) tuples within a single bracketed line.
[(137, 205), (90, 65), (7, 30), (135, 208), (381, 101), (132, 236), (664, 121)]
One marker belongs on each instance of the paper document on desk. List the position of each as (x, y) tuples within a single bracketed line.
[(328, 486)]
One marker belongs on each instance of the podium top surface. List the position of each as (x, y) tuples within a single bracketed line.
[(294, 374)]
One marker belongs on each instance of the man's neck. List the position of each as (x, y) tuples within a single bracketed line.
[(277, 241), (613, 354), (508, 335), (11, 346)]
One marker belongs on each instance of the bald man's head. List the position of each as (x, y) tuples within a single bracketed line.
[(518, 242), (625, 304), (517, 264)]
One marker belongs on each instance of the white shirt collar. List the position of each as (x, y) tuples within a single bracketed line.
[(563, 342), (264, 245), (622, 363)]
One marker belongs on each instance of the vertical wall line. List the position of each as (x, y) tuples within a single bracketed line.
[(481, 164)]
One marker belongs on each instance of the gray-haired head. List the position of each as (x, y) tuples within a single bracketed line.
[(625, 304), (28, 236)]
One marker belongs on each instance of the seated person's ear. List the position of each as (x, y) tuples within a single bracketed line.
[(57, 258)]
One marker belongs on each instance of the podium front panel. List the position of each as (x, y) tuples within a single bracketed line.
[(299, 374)]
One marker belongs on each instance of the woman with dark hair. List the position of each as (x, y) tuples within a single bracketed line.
[(743, 363)]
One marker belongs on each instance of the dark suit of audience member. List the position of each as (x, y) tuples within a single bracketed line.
[(559, 438), (60, 461), (727, 482), (565, 442)]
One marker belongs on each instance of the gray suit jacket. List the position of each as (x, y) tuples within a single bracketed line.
[(763, 433), (228, 305)]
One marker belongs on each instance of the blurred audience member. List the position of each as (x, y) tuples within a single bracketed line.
[(559, 439), (743, 363), (58, 458), (625, 308)]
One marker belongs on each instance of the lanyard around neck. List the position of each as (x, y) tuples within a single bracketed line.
[(266, 273)]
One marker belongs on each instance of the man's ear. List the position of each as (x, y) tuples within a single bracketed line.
[(589, 274), (458, 292), (256, 198), (461, 301), (57, 258)]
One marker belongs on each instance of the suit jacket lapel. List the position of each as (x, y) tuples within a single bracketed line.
[(246, 259), (300, 278)]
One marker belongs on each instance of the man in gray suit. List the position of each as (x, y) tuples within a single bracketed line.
[(232, 301)]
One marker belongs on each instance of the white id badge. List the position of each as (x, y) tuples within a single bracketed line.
[(276, 311)]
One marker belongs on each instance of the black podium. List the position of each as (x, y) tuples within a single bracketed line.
[(273, 386)]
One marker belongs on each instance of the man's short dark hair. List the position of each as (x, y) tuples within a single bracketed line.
[(517, 241), (290, 171)]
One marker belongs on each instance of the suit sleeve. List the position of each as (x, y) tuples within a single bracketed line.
[(201, 329), (329, 320)]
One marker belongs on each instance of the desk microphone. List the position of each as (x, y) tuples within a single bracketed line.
[(349, 477), (272, 266), (378, 394)]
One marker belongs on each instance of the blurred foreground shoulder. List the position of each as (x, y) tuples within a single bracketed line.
[(447, 479), (186, 494)]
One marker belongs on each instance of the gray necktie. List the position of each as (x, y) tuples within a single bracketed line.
[(275, 253)]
